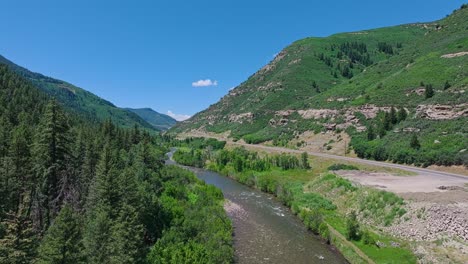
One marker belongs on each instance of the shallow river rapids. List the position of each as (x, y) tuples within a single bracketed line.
[(265, 231)]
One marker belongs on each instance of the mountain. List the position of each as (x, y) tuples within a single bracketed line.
[(157, 120), (350, 82), (79, 100)]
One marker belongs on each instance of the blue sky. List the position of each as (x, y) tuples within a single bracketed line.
[(165, 54)]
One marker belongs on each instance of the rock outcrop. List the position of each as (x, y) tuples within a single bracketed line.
[(442, 112)]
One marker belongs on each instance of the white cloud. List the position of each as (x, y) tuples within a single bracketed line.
[(204, 83), (178, 117)]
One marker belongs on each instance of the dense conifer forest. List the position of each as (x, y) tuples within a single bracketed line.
[(76, 191)]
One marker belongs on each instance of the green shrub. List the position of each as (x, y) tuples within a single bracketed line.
[(339, 166), (313, 219), (324, 232), (353, 231), (367, 238)]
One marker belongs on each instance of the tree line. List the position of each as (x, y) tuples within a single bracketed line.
[(240, 159)]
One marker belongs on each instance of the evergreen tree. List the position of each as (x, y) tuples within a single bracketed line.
[(402, 114), (136, 137), (352, 227), (5, 131), (393, 116), (370, 133), (98, 237), (62, 242), (387, 121), (305, 161), (447, 85), (20, 172), (88, 171), (414, 143), (79, 180), (105, 193), (381, 131), (18, 244), (127, 237), (429, 92), (52, 154)]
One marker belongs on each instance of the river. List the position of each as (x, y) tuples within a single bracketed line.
[(265, 231)]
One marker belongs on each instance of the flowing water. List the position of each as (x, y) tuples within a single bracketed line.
[(265, 231)]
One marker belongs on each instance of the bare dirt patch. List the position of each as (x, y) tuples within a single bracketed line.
[(448, 197), (452, 169), (454, 55), (402, 184)]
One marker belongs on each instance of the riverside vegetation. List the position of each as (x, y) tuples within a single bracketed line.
[(329, 206), (76, 191)]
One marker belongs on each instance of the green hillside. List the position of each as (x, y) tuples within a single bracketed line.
[(157, 120), (348, 81), (79, 100)]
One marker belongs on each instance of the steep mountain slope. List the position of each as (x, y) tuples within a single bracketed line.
[(348, 81), (79, 100), (157, 120)]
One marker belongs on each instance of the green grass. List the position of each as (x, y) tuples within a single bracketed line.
[(389, 254)]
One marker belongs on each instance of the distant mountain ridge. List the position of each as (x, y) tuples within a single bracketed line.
[(81, 101), (347, 82), (156, 119)]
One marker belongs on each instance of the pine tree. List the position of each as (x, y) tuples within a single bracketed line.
[(352, 227), (127, 237), (52, 154), (19, 175), (103, 207), (370, 133), (97, 237), (62, 242), (387, 122), (18, 244), (79, 181), (429, 92), (105, 193), (381, 131), (5, 132), (88, 172), (414, 143), (305, 161), (136, 137), (393, 116), (447, 85), (402, 114)]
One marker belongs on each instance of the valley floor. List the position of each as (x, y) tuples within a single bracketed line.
[(436, 203)]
